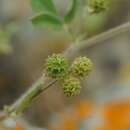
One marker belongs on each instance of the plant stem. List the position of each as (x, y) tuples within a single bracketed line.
[(44, 82), (103, 36), (39, 86), (67, 29)]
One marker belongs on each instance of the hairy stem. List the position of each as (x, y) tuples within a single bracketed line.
[(103, 36), (67, 29), (39, 86), (44, 82)]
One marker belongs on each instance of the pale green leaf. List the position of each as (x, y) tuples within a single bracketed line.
[(43, 6), (47, 20), (71, 11)]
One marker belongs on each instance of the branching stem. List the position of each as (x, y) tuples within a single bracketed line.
[(44, 82)]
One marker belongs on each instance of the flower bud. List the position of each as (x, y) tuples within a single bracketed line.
[(97, 6), (81, 67), (56, 66), (71, 86)]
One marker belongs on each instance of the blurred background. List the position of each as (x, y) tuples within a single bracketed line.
[(104, 102)]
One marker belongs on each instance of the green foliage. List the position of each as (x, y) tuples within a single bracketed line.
[(43, 6), (48, 16), (71, 86), (56, 66), (71, 11), (81, 67), (47, 19)]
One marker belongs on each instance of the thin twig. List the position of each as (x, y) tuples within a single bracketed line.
[(38, 87), (44, 82), (72, 51), (103, 36)]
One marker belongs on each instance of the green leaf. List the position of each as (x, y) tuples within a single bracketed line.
[(47, 20), (71, 11), (43, 5)]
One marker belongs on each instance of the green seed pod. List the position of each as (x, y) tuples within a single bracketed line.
[(97, 6), (81, 67), (71, 86), (56, 66)]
